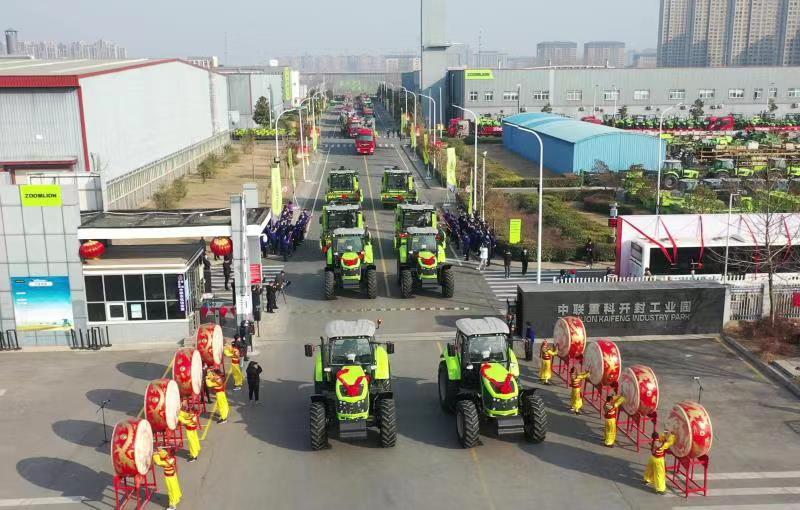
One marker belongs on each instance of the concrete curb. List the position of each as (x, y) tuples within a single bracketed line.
[(773, 373)]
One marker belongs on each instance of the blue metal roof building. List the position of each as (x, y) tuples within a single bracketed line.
[(572, 145)]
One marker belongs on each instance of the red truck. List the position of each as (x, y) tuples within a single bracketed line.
[(365, 141)]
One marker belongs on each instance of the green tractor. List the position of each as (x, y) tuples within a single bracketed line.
[(422, 262), (413, 215), (724, 168), (397, 186), (672, 172), (343, 187), (479, 381), (782, 169), (350, 263), (338, 216), (352, 385)]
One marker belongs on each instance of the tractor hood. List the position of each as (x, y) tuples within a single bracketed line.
[(427, 259), (499, 390), (352, 393)]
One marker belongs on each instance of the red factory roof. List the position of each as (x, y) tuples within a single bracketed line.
[(26, 73)]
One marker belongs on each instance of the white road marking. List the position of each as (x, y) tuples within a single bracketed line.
[(768, 506), (754, 475), (319, 186), (56, 500), (749, 491), (2, 391)]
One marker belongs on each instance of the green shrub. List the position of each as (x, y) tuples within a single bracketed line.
[(206, 170), (179, 188)]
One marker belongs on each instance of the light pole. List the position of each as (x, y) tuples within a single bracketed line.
[(519, 91), (594, 103), (415, 107), (474, 193), (541, 196), (659, 162), (483, 189), (432, 100), (302, 136), (728, 234), (391, 97), (277, 153), (614, 91)]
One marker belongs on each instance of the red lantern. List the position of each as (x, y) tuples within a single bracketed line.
[(221, 246), (92, 250)]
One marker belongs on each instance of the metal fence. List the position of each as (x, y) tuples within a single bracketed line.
[(91, 338), (784, 296), (9, 340), (747, 302)]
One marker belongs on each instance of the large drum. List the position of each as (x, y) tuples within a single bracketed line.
[(569, 336), (603, 361), (639, 386), (187, 371), (210, 343), (691, 424), (162, 403), (132, 447)]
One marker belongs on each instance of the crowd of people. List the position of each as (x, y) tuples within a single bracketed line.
[(282, 237), (469, 233)]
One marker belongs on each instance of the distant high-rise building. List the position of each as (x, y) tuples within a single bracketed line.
[(521, 62), (48, 50), (646, 59), (716, 33), (490, 59), (557, 53), (11, 41), (351, 63), (601, 53)]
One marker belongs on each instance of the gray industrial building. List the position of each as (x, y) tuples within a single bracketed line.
[(247, 85), (577, 92)]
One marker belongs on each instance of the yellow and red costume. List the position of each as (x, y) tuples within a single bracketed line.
[(191, 423), (216, 383), (576, 391), (656, 471), (546, 354), (610, 412), (236, 368), (167, 461)]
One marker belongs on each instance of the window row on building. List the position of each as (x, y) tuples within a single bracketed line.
[(638, 94), (135, 297)]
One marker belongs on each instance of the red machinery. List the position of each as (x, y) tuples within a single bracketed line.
[(365, 141)]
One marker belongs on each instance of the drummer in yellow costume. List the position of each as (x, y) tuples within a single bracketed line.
[(236, 368), (191, 423), (656, 471), (610, 412), (166, 460), (546, 354), (576, 386), (215, 381)]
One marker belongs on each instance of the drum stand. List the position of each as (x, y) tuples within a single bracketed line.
[(168, 438), (596, 396), (684, 473), (139, 488), (634, 427), (195, 403), (561, 367)]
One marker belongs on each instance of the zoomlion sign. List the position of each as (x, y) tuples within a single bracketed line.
[(479, 74), (40, 195)]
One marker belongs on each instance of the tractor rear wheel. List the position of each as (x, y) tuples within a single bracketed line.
[(387, 421), (670, 181), (468, 423), (318, 426), (447, 389), (406, 283), (371, 283), (534, 416), (448, 282), (329, 285)]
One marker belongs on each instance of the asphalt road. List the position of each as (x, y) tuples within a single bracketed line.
[(51, 432)]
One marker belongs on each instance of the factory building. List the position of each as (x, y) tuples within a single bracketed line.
[(118, 130), (572, 146)]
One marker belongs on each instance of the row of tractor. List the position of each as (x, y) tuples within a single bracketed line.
[(673, 171), (345, 240), (478, 380)]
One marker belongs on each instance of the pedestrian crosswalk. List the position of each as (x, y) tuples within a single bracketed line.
[(735, 487), (333, 145), (506, 288), (218, 278)]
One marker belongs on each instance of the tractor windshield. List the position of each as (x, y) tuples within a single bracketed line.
[(396, 181), (491, 347), (350, 350), (416, 219), (340, 181), (348, 243), (342, 219), (423, 242)]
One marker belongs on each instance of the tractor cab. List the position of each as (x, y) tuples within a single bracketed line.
[(397, 186), (413, 215), (672, 172), (483, 341), (724, 168), (339, 216), (343, 187), (352, 384)]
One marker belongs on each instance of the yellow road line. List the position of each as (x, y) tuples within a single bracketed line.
[(375, 218), (746, 361), (163, 376)]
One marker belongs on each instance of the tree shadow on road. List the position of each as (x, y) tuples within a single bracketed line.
[(66, 477), (84, 433), (119, 400), (142, 369)]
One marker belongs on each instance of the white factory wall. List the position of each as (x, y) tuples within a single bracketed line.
[(138, 116), (40, 124), (219, 87), (244, 89)]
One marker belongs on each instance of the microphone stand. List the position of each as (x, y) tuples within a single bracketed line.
[(102, 410)]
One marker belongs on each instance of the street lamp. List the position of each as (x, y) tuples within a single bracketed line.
[(728, 234), (659, 162), (391, 97), (483, 188), (303, 147), (277, 153), (594, 103), (541, 193), (519, 91), (432, 100), (415, 107), (475, 158)]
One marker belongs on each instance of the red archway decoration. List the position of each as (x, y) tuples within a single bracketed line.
[(221, 246), (92, 250)]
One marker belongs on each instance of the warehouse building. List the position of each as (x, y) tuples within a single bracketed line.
[(572, 146), (120, 130), (247, 84), (582, 91)]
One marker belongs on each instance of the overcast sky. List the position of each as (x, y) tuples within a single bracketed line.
[(257, 30)]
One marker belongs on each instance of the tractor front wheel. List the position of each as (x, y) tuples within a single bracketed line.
[(329, 285), (447, 389), (371, 283), (318, 426), (670, 181), (534, 416), (468, 423), (387, 420), (448, 282), (406, 283)]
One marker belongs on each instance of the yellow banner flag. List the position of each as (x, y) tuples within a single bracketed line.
[(277, 192), (451, 167), (514, 231), (425, 156), (290, 162), (314, 138), (413, 138)]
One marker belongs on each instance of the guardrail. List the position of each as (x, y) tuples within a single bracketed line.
[(93, 338)]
